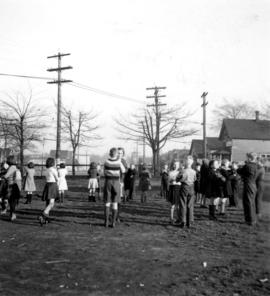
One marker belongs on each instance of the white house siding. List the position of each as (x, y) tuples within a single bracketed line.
[(241, 147)]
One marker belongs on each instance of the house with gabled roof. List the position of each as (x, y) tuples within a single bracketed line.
[(215, 149), (241, 136)]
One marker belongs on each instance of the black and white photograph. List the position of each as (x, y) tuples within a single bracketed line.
[(135, 147)]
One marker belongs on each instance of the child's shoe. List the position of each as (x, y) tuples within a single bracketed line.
[(13, 217)]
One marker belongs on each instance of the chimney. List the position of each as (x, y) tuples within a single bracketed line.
[(257, 115)]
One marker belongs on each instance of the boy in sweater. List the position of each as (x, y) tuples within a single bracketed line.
[(113, 168)]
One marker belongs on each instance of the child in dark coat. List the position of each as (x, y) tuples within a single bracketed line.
[(235, 184), (164, 191), (144, 183), (226, 187), (129, 182), (214, 187), (3, 188)]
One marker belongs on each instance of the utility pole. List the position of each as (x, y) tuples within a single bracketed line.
[(156, 106), (204, 104), (59, 82)]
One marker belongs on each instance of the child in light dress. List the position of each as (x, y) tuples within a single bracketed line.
[(29, 183), (62, 182)]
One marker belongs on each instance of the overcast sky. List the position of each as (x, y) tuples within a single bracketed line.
[(189, 46)]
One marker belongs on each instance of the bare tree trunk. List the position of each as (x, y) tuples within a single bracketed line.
[(73, 161), (21, 146), (155, 162)]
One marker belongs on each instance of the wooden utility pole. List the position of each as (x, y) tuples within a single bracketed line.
[(204, 104), (156, 106), (59, 82)]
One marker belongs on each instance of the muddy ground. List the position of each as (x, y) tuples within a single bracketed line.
[(144, 255)]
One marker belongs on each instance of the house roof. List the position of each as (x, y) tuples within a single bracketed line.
[(246, 129), (213, 144)]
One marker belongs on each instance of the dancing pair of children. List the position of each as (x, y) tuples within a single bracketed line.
[(181, 193)]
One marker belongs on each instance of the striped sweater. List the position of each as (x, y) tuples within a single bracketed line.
[(113, 168)]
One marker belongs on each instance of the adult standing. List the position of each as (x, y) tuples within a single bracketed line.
[(204, 181), (260, 187), (249, 174)]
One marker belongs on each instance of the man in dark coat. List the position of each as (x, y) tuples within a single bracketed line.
[(203, 181), (260, 187), (249, 173)]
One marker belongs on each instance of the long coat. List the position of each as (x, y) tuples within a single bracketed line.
[(214, 184), (249, 173), (226, 186), (204, 178), (144, 182), (29, 183), (129, 179)]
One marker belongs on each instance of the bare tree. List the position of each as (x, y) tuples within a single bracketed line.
[(79, 129), (156, 127), (21, 122), (232, 109), (265, 111)]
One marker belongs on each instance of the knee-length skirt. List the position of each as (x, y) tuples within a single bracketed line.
[(50, 191)]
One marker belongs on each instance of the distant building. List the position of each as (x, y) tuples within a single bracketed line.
[(4, 153), (241, 136), (65, 156), (175, 155), (215, 149)]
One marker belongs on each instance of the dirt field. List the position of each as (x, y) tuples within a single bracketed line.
[(144, 255)]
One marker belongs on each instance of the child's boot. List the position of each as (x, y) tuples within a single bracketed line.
[(114, 216), (27, 199), (212, 215), (107, 216)]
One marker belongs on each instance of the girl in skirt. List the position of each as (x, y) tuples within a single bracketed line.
[(50, 191), (93, 181), (13, 191), (62, 182), (29, 183), (174, 192)]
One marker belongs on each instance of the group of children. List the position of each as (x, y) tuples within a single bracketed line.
[(12, 184), (181, 187), (219, 183)]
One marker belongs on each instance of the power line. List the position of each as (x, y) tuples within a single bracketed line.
[(103, 92), (79, 85), (25, 76)]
